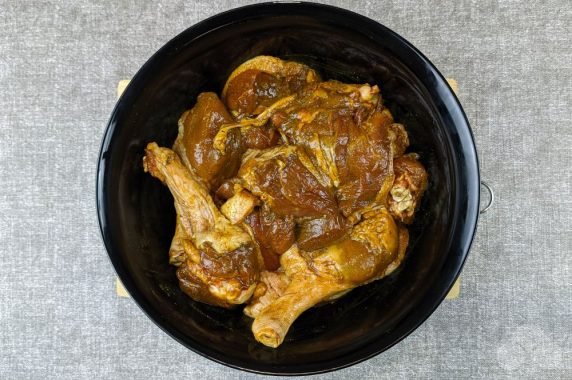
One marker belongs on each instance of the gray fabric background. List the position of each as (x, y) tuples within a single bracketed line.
[(59, 66)]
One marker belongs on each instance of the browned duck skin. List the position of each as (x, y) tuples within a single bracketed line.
[(374, 248), (222, 259), (408, 188)]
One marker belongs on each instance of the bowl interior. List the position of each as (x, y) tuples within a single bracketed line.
[(137, 213)]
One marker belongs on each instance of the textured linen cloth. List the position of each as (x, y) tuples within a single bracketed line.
[(60, 317)]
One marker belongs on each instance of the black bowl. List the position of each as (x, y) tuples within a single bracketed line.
[(136, 212)]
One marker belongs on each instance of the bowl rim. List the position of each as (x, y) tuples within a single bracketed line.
[(268, 9)]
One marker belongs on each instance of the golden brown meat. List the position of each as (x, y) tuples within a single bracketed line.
[(408, 188), (374, 248), (349, 136), (258, 84), (287, 181), (314, 188), (177, 255), (222, 261), (239, 206), (274, 233), (261, 81), (194, 144), (346, 133)]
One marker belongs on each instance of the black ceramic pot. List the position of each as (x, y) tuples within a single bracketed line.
[(136, 212)]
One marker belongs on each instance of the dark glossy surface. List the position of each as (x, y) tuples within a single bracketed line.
[(137, 216)]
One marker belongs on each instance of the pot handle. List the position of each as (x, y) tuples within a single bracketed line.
[(491, 197)]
